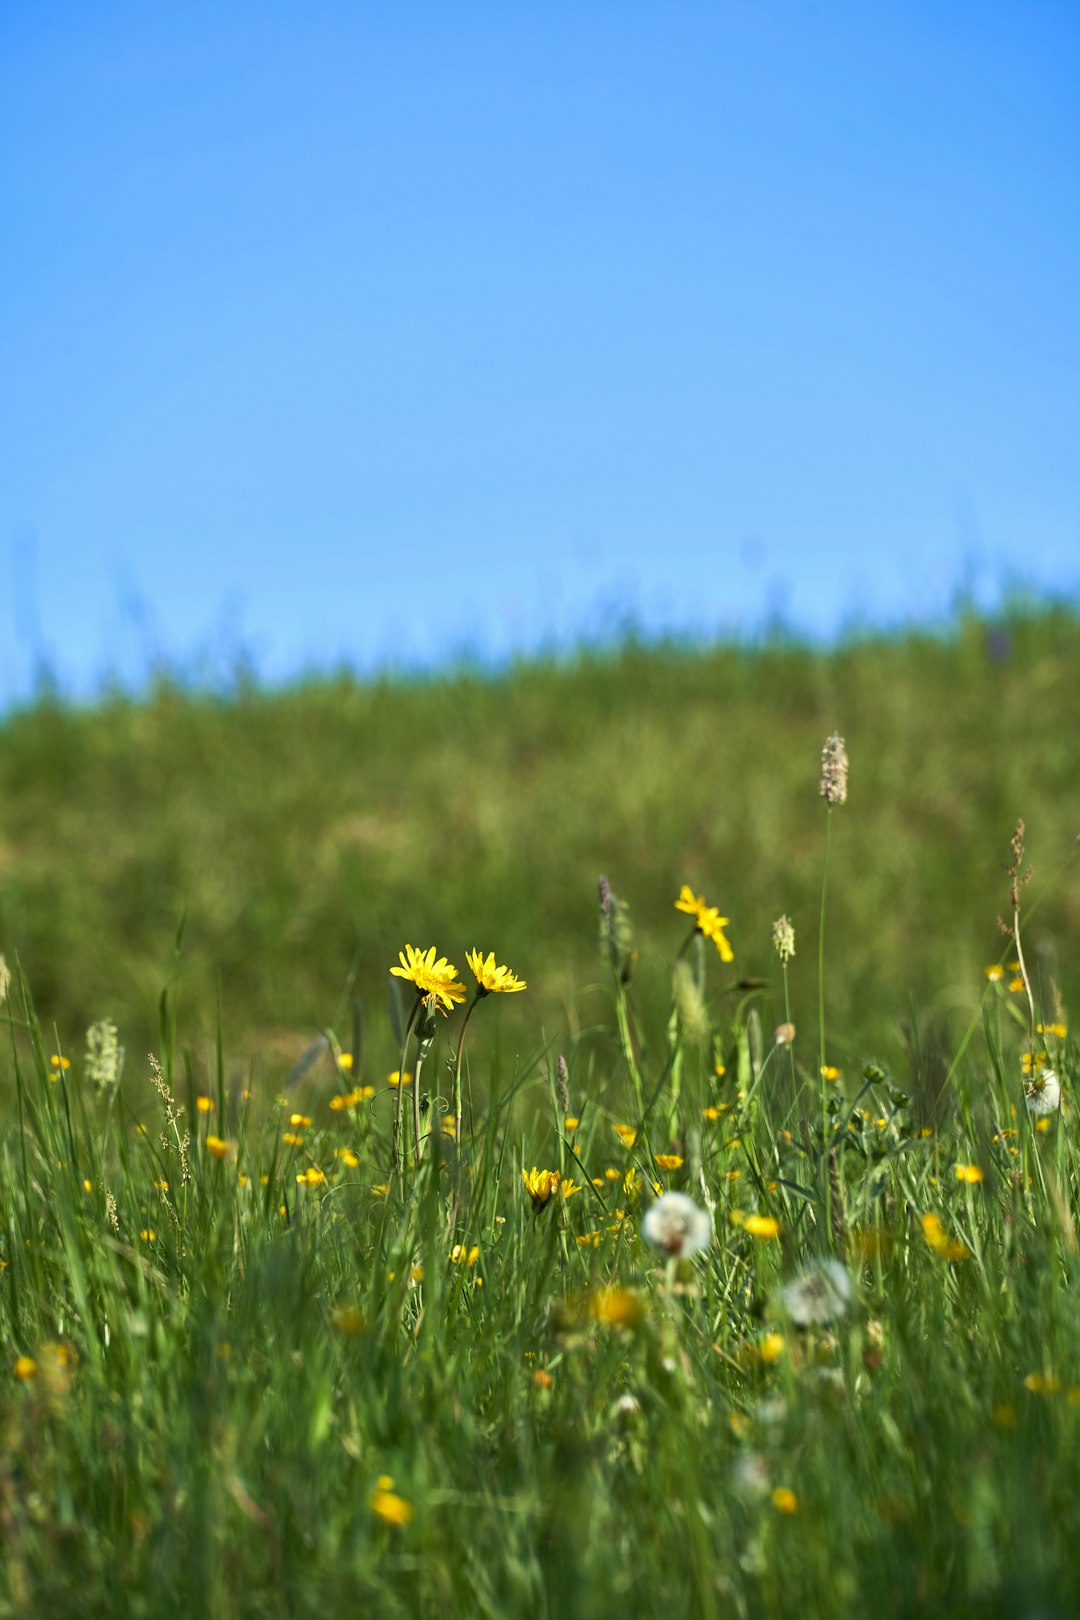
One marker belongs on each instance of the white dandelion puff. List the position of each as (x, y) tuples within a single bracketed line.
[(1043, 1093), (676, 1226), (819, 1295)]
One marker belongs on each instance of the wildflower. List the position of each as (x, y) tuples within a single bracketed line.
[(25, 1368), (771, 1348), (490, 978), (676, 1226), (783, 936), (345, 1060), (542, 1378), (59, 1065), (626, 1134), (104, 1055), (148, 1234), (351, 1099), (1057, 1030), (707, 920), (995, 972), (571, 1122), (783, 1499), (834, 771), (1017, 984), (349, 1159), (764, 1227), (543, 1185), (348, 1319), (1043, 1094), (668, 1161), (399, 1079), (311, 1177), (88, 1185), (217, 1147), (1042, 1383), (829, 1072), (711, 1114), (971, 1173), (205, 1105), (436, 980), (291, 1138), (616, 1307), (462, 1256), (934, 1233), (819, 1295), (388, 1507), (784, 1034)]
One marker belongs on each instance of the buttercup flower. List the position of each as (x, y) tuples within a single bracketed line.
[(707, 920), (489, 977), (436, 980), (676, 1226)]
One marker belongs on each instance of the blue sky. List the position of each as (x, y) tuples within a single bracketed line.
[(368, 333)]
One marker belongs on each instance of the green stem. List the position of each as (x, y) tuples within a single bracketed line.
[(457, 1068), (410, 1026)]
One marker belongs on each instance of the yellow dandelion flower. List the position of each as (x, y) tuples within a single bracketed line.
[(390, 1508), (771, 1347), (1059, 1031), (345, 1060), (148, 1234), (543, 1185), (349, 1159), (711, 1114), (311, 1177), (830, 1072), (434, 979), (785, 1500), (205, 1105), (764, 1227), (1017, 983), (217, 1147), (542, 1378), (571, 1122), (25, 1368), (995, 972), (291, 1138), (300, 1120), (460, 1255), (616, 1307), (626, 1134), (970, 1173), (398, 1079), (668, 1161), (490, 978), (707, 920), (351, 1099), (945, 1248), (88, 1185)]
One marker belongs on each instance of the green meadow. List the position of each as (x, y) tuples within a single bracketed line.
[(718, 1259)]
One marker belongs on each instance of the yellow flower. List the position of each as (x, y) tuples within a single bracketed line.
[(707, 920), (995, 972), (771, 1347), (389, 1508), (351, 1099), (58, 1065), (828, 1072), (345, 1060), (148, 1234), (25, 1368), (348, 1158), (217, 1147), (399, 1079), (1042, 1383), (668, 1161), (205, 1105), (710, 1113), (784, 1500), (348, 1319), (462, 1256), (436, 980), (311, 1177), (299, 1120), (626, 1134), (571, 1122), (291, 1138), (543, 1185), (762, 1226), (1057, 1030), (1016, 983), (616, 1307), (970, 1173), (934, 1233), (489, 977)]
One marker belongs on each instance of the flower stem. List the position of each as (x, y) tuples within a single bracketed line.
[(457, 1068), (401, 1086)]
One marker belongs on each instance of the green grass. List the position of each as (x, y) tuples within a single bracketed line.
[(225, 1366)]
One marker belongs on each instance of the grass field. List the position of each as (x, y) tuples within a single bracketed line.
[(281, 1334)]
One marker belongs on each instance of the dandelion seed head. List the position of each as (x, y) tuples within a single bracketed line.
[(676, 1226), (819, 1295)]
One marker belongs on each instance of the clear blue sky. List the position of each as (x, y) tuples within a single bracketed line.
[(384, 332)]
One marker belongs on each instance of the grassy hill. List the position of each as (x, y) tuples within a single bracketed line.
[(307, 833)]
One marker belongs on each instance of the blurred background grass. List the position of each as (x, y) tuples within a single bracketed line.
[(308, 832)]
